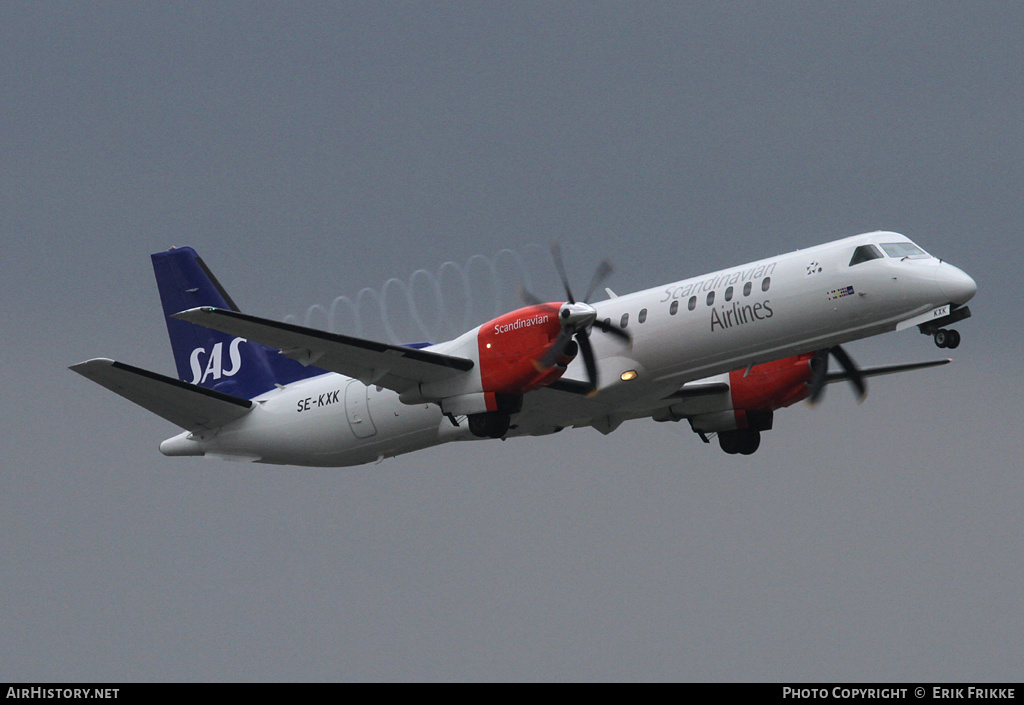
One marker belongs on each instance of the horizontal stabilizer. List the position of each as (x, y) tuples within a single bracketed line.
[(394, 367), (186, 405)]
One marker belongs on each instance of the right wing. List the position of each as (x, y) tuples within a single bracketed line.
[(191, 407), (395, 367), (887, 369)]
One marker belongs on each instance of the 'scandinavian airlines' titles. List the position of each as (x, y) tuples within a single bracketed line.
[(520, 323)]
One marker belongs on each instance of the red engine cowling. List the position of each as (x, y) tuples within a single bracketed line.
[(511, 346), (770, 386)]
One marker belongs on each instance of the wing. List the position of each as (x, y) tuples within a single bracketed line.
[(699, 388), (186, 405), (392, 366), (887, 369)]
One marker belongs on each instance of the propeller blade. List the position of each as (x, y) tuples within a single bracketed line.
[(555, 352), (556, 254), (528, 297), (856, 378), (819, 376), (614, 330), (588, 356), (600, 274), (575, 321)]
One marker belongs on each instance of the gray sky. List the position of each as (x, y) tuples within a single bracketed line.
[(309, 150)]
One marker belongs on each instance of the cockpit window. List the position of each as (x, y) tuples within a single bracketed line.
[(903, 249), (865, 253)]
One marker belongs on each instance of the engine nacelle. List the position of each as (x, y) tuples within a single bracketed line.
[(732, 420), (481, 402), (512, 345), (772, 385), (749, 401)]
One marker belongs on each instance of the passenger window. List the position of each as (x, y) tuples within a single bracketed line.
[(711, 298), (865, 253), (746, 289), (624, 321), (642, 316), (674, 308), (728, 294), (692, 303), (766, 283)]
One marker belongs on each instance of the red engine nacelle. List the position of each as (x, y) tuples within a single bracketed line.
[(770, 386), (752, 400), (511, 346)]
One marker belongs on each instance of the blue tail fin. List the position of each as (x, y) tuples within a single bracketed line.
[(207, 357)]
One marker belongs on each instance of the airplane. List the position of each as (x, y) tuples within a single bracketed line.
[(723, 350)]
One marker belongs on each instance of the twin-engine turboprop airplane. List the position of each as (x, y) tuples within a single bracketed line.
[(723, 350)]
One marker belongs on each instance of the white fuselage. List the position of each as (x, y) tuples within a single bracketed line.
[(793, 303)]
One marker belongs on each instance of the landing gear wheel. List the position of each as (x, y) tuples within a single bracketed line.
[(750, 441), (953, 340), (489, 424), (743, 442), (942, 338), (730, 442)]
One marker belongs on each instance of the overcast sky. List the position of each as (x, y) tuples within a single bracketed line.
[(309, 150)]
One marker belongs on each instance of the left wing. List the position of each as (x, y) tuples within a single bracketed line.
[(392, 366)]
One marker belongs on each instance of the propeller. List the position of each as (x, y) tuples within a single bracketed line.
[(576, 318), (820, 376)]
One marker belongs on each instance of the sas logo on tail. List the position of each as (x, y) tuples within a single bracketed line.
[(214, 367)]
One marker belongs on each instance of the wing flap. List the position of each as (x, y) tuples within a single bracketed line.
[(699, 389), (186, 405), (392, 366)]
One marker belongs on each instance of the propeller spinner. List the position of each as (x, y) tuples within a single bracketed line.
[(576, 318)]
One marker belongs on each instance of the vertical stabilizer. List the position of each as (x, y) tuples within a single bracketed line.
[(207, 357)]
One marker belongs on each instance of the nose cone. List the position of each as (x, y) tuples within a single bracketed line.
[(957, 285)]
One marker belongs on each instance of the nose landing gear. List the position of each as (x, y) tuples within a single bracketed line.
[(947, 338)]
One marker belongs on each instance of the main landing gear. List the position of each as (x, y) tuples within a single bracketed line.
[(743, 441), (495, 424), (489, 424), (947, 338)]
